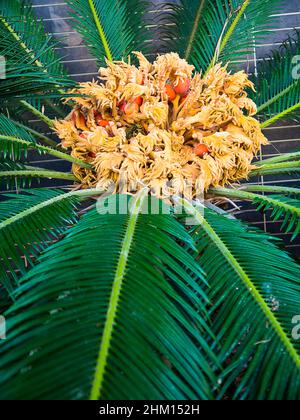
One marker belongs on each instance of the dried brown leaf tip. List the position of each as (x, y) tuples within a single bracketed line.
[(163, 126)]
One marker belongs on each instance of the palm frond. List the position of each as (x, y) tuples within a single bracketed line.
[(28, 221), (14, 150), (268, 168), (111, 29), (15, 141), (210, 29), (30, 56), (282, 207), (271, 189), (255, 294), (22, 177), (26, 83), (23, 40), (9, 166), (278, 84), (278, 159), (114, 311)]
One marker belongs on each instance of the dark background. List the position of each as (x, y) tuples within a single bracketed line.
[(82, 67)]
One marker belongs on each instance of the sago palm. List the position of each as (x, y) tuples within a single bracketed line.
[(190, 304)]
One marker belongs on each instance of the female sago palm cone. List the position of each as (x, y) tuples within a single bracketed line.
[(162, 126), (136, 305)]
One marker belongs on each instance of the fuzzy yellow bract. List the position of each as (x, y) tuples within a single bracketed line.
[(162, 126)]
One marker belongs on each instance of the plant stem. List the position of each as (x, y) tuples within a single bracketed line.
[(278, 159), (48, 150), (244, 195), (270, 189), (38, 114), (39, 173), (136, 206), (280, 115), (293, 166), (46, 140)]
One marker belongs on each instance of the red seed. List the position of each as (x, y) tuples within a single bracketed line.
[(182, 86), (100, 121), (138, 100), (170, 93), (92, 155), (201, 150)]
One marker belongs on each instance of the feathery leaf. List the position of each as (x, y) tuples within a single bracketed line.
[(282, 207), (278, 84), (255, 293), (140, 300), (112, 29), (210, 29), (28, 221)]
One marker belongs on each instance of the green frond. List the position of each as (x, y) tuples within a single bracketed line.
[(47, 141), (30, 56), (150, 287), (112, 29), (210, 29), (268, 168), (15, 141), (24, 40), (8, 149), (28, 221), (9, 166), (278, 84), (282, 208), (278, 159), (26, 46), (271, 189), (254, 288), (22, 178)]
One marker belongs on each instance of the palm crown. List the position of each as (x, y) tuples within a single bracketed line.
[(138, 305)]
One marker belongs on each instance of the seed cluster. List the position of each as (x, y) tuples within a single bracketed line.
[(163, 126)]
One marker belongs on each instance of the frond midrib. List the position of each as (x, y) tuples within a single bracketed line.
[(275, 166), (45, 149), (225, 251), (136, 206), (281, 115), (278, 159), (101, 31), (194, 30), (276, 97), (22, 44), (36, 62), (270, 188), (244, 195), (38, 173)]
